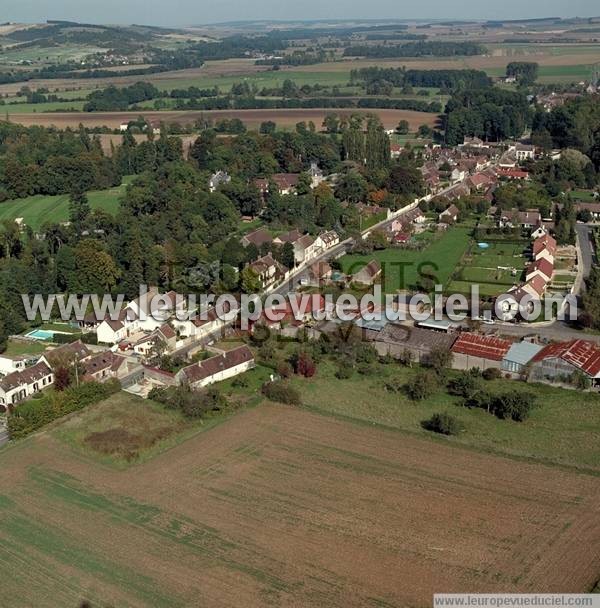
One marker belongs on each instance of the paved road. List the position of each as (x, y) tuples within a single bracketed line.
[(3, 436), (556, 331), (584, 233)]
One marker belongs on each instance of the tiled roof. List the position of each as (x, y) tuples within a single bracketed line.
[(103, 361), (67, 353), (486, 347), (538, 284), (209, 367), (25, 377), (544, 242), (258, 237), (544, 265)]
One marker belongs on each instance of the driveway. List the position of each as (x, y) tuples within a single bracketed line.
[(585, 248)]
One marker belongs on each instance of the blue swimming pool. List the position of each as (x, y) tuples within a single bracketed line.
[(483, 245), (41, 334)]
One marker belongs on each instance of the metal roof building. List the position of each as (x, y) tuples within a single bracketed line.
[(519, 355)]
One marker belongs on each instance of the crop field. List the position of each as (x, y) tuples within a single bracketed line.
[(282, 507), (36, 210), (402, 268), (252, 118)]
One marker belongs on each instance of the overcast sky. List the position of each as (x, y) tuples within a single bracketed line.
[(191, 12)]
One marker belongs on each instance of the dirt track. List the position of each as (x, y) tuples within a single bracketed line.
[(252, 118), (280, 507)]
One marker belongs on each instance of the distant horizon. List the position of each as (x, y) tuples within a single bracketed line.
[(187, 13)]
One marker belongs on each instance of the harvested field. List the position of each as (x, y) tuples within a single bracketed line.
[(229, 67), (252, 118), (282, 507), (106, 139)]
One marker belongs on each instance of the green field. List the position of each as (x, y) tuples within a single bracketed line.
[(402, 268), (50, 106), (36, 210), (564, 429)]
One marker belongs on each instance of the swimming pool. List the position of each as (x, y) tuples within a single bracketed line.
[(40, 334), (483, 245)]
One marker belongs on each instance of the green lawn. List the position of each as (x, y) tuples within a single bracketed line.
[(402, 268), (36, 210), (15, 348), (564, 429)]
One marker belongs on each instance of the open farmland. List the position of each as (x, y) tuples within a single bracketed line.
[(36, 210), (251, 118), (273, 508)]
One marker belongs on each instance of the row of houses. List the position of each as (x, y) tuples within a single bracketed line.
[(24, 383), (285, 183), (539, 273), (306, 248)]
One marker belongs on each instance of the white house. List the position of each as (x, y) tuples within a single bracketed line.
[(9, 364), (524, 152), (217, 179), (111, 332), (147, 344), (18, 386), (218, 368)]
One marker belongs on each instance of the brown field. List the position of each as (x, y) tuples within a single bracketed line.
[(252, 118), (281, 507), (211, 69), (498, 60)]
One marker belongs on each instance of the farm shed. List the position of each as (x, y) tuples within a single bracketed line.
[(472, 350)]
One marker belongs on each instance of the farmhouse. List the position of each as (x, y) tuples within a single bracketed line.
[(558, 362), (216, 369), (104, 366), (472, 350), (368, 275), (22, 384)]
